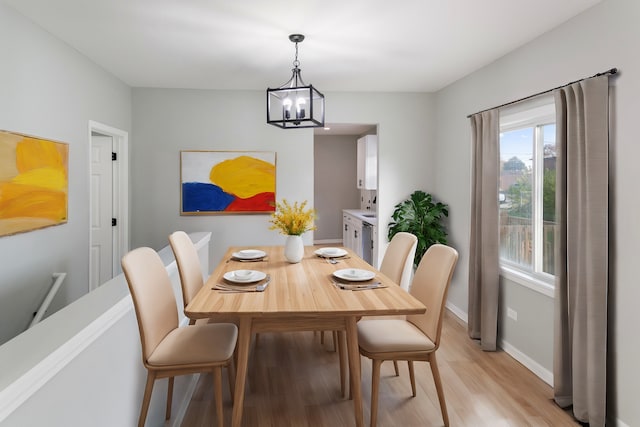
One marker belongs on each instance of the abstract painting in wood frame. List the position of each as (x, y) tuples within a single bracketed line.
[(227, 182), (34, 184)]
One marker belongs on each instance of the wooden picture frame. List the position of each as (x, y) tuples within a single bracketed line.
[(34, 187), (227, 182)]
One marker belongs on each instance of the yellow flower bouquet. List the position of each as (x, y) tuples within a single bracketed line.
[(292, 220)]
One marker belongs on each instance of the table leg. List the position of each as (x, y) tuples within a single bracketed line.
[(342, 356), (354, 368), (244, 340)]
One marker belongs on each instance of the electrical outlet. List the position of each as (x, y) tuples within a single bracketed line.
[(512, 314)]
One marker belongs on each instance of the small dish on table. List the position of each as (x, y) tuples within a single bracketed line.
[(244, 276), (249, 255), (354, 274), (330, 252)]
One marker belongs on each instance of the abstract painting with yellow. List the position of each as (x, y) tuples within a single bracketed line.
[(33, 183), (227, 182)]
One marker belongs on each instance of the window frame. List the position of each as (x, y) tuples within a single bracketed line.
[(533, 114)]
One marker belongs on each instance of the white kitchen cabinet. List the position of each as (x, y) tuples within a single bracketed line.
[(374, 247), (367, 167), (359, 234), (352, 233)]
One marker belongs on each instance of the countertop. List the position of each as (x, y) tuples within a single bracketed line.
[(360, 214)]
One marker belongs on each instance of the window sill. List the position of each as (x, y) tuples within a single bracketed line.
[(527, 281)]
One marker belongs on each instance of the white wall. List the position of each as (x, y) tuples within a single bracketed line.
[(82, 366), (601, 38), (49, 90), (169, 120)]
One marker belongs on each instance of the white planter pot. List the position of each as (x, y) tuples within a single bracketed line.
[(293, 249)]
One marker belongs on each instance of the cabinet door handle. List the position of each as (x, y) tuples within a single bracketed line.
[(355, 234), (345, 227)]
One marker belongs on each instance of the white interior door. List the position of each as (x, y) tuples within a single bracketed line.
[(101, 253)]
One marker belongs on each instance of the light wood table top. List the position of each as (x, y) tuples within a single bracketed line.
[(300, 289), (300, 296)]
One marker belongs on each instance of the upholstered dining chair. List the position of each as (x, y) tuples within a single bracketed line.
[(167, 349), (189, 267), (397, 264), (418, 337)]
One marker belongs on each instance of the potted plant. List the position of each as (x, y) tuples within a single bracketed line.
[(422, 217), (293, 221)]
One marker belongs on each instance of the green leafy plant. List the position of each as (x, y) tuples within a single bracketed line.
[(422, 217)]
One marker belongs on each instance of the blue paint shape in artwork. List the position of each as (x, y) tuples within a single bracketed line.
[(201, 197)]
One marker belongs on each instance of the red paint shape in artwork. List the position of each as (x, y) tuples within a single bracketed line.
[(263, 202)]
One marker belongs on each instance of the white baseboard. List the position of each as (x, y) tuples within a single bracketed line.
[(618, 423), (539, 370), (461, 314)]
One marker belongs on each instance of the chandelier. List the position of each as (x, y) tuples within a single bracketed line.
[(295, 104)]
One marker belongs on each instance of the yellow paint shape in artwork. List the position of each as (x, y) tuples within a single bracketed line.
[(33, 183), (49, 178), (244, 176), (36, 203), (35, 154)]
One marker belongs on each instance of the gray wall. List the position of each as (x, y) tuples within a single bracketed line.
[(600, 38), (169, 120), (335, 159), (49, 90)]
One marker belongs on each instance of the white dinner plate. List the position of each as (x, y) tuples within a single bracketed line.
[(249, 254), (354, 274), (255, 276), (330, 252)]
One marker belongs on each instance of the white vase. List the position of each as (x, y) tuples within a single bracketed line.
[(293, 249)]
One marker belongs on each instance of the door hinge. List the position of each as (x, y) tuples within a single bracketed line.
[(114, 222), (114, 156)]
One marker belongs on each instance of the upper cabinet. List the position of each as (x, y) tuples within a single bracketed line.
[(368, 163)]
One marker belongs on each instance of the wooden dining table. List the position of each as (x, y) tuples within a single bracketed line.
[(300, 297)]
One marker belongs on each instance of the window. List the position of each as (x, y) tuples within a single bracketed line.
[(527, 189)]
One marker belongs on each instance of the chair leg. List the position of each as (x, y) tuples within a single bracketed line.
[(322, 337), (169, 398), (412, 377), (439, 389), (151, 377), (232, 377), (395, 367), (217, 382), (335, 341), (375, 383)]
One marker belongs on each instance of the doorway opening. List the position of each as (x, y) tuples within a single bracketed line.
[(108, 207), (336, 185)]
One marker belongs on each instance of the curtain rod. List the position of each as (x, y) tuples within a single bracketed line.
[(604, 73)]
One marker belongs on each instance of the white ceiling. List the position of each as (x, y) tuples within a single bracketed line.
[(351, 45)]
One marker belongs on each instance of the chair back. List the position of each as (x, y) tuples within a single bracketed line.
[(153, 298), (397, 262), (430, 286), (189, 265)]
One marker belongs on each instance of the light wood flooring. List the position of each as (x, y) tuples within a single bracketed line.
[(293, 380)]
